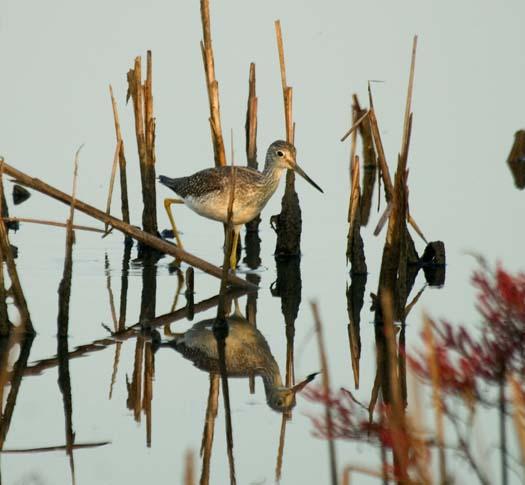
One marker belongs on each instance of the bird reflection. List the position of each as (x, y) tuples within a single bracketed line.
[(247, 354)]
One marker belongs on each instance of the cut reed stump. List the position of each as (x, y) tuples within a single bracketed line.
[(142, 97), (516, 159), (287, 224), (132, 231)]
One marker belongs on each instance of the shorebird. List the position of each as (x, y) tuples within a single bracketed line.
[(247, 354), (208, 192)]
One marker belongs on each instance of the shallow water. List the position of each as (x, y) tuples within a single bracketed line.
[(461, 192)]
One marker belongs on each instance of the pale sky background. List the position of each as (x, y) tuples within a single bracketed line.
[(57, 60)]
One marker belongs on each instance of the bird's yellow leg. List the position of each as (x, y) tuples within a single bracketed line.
[(180, 283), (167, 205), (233, 254)]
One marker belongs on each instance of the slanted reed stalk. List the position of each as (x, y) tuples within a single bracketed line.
[(289, 221), (132, 231), (53, 223), (7, 256), (326, 391), (112, 180), (212, 86), (142, 97), (122, 161)]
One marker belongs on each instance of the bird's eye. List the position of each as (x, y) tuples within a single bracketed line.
[(279, 403), (280, 153)]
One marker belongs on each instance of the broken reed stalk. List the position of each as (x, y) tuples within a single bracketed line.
[(142, 97), (251, 136), (436, 398), (326, 390), (356, 125), (7, 255), (289, 221), (124, 204), (132, 231), (112, 181), (212, 86), (369, 159), (53, 223)]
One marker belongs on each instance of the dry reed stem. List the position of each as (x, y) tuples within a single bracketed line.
[(326, 390), (383, 219), (132, 231), (518, 414), (122, 161), (251, 121), (48, 449), (53, 223), (142, 97), (112, 180), (280, 449), (221, 320), (287, 90), (407, 122), (189, 468), (397, 417), (355, 195), (383, 165), (209, 428), (416, 228), (362, 470), (436, 397), (16, 287), (355, 125), (212, 85)]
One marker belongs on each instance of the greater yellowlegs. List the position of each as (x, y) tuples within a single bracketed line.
[(247, 354), (207, 192)]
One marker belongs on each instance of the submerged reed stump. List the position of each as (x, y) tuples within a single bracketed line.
[(516, 159)]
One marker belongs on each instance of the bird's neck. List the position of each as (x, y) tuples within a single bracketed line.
[(271, 378), (273, 173)]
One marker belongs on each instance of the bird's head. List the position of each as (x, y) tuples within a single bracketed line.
[(281, 154), (282, 399)]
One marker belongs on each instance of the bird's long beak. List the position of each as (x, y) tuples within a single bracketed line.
[(301, 385), (301, 172)]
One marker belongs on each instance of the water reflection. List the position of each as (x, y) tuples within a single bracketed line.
[(247, 353)]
